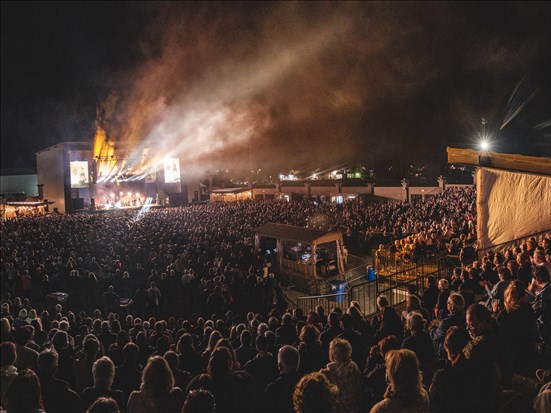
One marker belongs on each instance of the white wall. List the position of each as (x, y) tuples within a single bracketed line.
[(49, 167), (392, 192)]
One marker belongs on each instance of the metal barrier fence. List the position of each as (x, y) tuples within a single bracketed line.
[(366, 293), (395, 286), (329, 301), (354, 274), (397, 294)]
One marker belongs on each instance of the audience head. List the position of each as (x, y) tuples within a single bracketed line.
[(8, 353), (443, 284), (415, 322), (479, 320), (455, 340), (382, 302), (455, 302), (388, 343), (157, 378), (104, 372), (314, 393), (340, 350), (288, 359), (199, 401), (404, 376), (309, 335), (24, 394), (104, 405), (47, 362), (220, 363)]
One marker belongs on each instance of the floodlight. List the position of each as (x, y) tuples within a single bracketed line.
[(484, 145)]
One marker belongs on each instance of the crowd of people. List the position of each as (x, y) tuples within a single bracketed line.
[(208, 327)]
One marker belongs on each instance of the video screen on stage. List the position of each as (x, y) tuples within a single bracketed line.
[(79, 174), (172, 170)]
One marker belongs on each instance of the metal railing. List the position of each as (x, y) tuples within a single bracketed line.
[(366, 293), (395, 286), (328, 301), (390, 262), (513, 243)]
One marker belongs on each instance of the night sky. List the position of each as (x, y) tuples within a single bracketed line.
[(277, 85)]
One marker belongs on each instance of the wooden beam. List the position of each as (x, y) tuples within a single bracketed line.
[(491, 159)]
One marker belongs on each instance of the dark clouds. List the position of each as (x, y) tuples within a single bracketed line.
[(293, 83)]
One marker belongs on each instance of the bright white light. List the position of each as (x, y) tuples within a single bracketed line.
[(484, 145)]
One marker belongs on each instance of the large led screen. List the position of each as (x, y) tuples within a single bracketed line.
[(172, 170), (79, 174)]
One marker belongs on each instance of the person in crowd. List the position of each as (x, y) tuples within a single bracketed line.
[(489, 274), (332, 330), (540, 290), (181, 377), (27, 358), (413, 303), (6, 330), (467, 254), (103, 371), (374, 374), (154, 299), (214, 336), (485, 357), (405, 391), (311, 350), (8, 370), (524, 268), (199, 401), (128, 374), (189, 358), (82, 366), (542, 402), (441, 309), (157, 393), (438, 328), (286, 333), (420, 343), (314, 393), (345, 374), (388, 320), (496, 294), (262, 367), (450, 384), (24, 394), (470, 287), (57, 395), (430, 296), (245, 352), (64, 349), (517, 327), (110, 300), (104, 405), (231, 389), (278, 395)]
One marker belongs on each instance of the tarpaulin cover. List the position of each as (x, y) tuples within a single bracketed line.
[(511, 205)]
